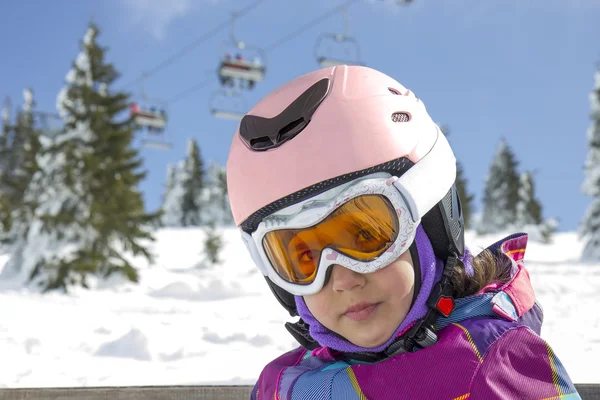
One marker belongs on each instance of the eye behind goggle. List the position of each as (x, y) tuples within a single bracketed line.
[(363, 228)]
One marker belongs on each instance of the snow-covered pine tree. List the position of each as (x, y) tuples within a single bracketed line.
[(192, 180), (25, 147), (529, 212), (529, 209), (466, 198), (24, 125), (590, 226), (20, 167), (216, 208), (172, 198), (90, 212), (213, 245), (5, 133), (5, 221), (501, 193)]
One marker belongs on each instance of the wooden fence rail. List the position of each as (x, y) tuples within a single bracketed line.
[(587, 391)]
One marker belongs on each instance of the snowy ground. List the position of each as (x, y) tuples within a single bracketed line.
[(185, 325)]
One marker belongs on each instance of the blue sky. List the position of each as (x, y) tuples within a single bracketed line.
[(514, 69)]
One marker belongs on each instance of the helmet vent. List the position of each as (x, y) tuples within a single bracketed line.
[(261, 143), (394, 91), (400, 117)]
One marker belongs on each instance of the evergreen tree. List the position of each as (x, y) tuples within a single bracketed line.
[(4, 153), (89, 209), (529, 209), (590, 226), (5, 134), (466, 199), (213, 244), (173, 197), (215, 200), (529, 212), (20, 167), (212, 202), (192, 180), (501, 193)]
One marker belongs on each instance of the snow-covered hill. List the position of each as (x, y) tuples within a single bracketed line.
[(185, 324)]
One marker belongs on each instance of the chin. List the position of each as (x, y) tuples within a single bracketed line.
[(371, 339)]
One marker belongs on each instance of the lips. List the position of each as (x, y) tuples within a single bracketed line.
[(361, 311)]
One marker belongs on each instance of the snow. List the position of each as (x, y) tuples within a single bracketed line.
[(79, 75), (5, 114), (185, 325), (28, 97), (524, 216), (88, 38)]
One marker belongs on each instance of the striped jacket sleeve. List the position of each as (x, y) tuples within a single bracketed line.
[(521, 365)]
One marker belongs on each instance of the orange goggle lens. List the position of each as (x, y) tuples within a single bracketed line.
[(362, 228)]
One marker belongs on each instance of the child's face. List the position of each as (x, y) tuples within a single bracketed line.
[(388, 291)]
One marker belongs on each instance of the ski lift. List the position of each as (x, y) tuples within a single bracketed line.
[(241, 64), (152, 119), (227, 104), (349, 45)]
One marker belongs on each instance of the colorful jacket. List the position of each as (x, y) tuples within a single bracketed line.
[(488, 348)]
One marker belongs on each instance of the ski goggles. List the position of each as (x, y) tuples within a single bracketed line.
[(363, 225)]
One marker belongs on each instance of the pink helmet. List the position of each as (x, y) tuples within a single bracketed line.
[(327, 127)]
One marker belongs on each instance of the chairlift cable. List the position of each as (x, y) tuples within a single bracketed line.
[(208, 35), (270, 48), (309, 24), (194, 88)]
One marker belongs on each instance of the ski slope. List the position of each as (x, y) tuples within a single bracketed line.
[(185, 324)]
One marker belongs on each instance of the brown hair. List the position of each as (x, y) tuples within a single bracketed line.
[(487, 268)]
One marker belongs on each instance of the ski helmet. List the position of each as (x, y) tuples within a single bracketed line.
[(329, 127)]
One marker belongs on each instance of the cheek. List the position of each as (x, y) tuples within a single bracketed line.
[(318, 304), (397, 279)]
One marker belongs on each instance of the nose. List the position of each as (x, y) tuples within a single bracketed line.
[(344, 279)]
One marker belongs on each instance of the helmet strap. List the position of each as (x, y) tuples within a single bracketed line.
[(440, 302), (300, 331)]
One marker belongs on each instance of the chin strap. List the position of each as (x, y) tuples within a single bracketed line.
[(300, 332), (440, 302)]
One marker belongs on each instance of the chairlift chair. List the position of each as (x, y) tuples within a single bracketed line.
[(152, 120), (329, 60), (155, 144), (227, 104), (241, 63), (341, 40), (241, 69), (149, 118)]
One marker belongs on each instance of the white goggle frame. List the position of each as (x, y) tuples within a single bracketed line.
[(412, 195)]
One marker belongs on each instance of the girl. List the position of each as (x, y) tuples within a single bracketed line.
[(343, 188)]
